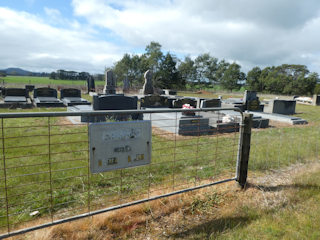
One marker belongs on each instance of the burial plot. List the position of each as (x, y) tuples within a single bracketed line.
[(16, 98), (46, 97), (286, 107), (72, 96)]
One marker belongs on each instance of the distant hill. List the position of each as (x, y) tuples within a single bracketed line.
[(21, 72), (16, 71)]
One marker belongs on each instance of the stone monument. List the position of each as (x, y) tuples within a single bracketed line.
[(316, 100), (148, 87), (110, 86), (91, 85), (126, 85)]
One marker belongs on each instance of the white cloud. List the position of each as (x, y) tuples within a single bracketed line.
[(264, 32), (27, 41)]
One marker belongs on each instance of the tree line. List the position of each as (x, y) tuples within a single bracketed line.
[(206, 71)]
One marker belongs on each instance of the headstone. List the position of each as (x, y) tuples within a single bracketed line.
[(316, 100), (286, 107), (227, 127), (148, 87), (126, 85), (210, 103), (29, 88), (152, 101), (16, 95), (91, 85), (110, 86), (70, 92), (251, 101), (194, 126), (46, 97), (259, 122), (72, 96), (180, 102), (117, 102)]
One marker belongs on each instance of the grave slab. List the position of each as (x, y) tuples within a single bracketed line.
[(72, 96), (16, 98), (46, 97)]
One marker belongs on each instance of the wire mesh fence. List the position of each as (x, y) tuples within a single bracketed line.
[(45, 166), (283, 145)]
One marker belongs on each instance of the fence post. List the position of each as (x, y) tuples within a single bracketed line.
[(244, 149)]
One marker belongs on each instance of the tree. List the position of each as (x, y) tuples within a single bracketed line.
[(187, 70), (206, 67), (232, 77), (222, 67), (53, 75), (253, 81), (154, 56), (168, 75)]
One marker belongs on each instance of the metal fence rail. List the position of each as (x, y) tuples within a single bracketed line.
[(45, 177)]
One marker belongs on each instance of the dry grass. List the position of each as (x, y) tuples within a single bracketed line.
[(220, 208)]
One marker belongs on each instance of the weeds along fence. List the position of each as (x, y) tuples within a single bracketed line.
[(45, 176)]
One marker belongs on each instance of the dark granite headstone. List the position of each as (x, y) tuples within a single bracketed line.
[(229, 127), (194, 126), (287, 107), (29, 88), (70, 92), (251, 101), (210, 103), (259, 122), (117, 102), (152, 101), (91, 85), (126, 85), (46, 97), (180, 102), (72, 96), (16, 95)]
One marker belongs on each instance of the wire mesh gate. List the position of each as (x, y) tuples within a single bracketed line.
[(45, 173)]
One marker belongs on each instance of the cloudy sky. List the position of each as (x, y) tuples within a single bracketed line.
[(87, 35)]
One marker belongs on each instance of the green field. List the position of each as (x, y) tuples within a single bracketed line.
[(19, 80)]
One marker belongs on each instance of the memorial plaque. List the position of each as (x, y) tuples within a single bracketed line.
[(116, 145)]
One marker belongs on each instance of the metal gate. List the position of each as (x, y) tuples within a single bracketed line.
[(45, 173)]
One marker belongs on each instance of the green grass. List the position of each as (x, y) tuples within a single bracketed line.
[(42, 81), (175, 165)]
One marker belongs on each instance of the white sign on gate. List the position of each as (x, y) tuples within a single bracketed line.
[(116, 145)]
